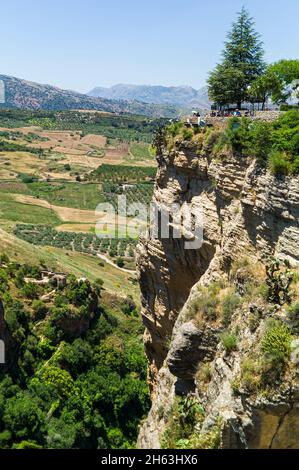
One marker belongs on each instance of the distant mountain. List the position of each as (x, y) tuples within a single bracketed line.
[(19, 93), (182, 96)]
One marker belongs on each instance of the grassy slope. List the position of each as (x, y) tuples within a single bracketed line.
[(25, 213), (115, 281)]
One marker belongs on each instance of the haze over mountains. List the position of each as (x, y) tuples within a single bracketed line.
[(23, 94), (147, 100), (183, 96)]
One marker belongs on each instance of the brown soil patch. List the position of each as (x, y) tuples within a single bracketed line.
[(69, 214), (76, 228), (93, 139)]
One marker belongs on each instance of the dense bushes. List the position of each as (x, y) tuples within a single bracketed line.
[(273, 143), (183, 429), (229, 341), (276, 343), (122, 173), (86, 389)]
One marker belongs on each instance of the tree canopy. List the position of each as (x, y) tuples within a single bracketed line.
[(242, 63), (287, 73), (78, 379)]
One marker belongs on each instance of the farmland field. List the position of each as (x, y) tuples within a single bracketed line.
[(55, 168)]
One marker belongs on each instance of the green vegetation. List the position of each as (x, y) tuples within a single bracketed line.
[(12, 147), (44, 235), (183, 427), (122, 127), (122, 174), (211, 305), (260, 299), (229, 305), (205, 307), (260, 139), (140, 151), (279, 82), (204, 373), (287, 73), (268, 362), (274, 144), (293, 315), (229, 341), (264, 87), (275, 344), (135, 193), (278, 282), (250, 375), (25, 213), (81, 196), (16, 135), (78, 196), (76, 368), (242, 76), (267, 366), (242, 63)]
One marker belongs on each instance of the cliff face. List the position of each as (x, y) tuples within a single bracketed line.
[(248, 213)]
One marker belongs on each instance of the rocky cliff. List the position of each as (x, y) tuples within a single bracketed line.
[(209, 313)]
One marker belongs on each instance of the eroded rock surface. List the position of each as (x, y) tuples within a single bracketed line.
[(247, 212)]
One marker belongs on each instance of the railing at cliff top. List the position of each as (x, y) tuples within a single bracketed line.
[(222, 120)]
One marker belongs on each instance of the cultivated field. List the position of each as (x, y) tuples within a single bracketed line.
[(66, 154), (52, 180)]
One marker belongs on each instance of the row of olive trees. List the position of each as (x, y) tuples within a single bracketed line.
[(243, 75)]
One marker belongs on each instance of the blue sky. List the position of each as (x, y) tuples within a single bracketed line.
[(78, 44)]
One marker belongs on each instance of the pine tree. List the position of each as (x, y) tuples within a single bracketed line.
[(242, 62)]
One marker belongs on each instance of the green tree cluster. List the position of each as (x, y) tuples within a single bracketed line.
[(242, 63), (84, 389)]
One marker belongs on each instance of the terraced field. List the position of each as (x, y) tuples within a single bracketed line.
[(52, 180)]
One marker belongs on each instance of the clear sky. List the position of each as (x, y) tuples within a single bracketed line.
[(78, 44)]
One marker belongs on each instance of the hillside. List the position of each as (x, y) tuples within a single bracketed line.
[(23, 94), (183, 96), (55, 168), (75, 370)]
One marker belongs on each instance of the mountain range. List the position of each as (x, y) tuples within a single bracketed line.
[(184, 97), (23, 94)]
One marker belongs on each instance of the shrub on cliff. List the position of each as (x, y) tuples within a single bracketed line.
[(276, 348), (229, 341), (230, 304), (276, 340), (278, 164), (275, 144)]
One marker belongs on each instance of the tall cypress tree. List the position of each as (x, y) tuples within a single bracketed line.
[(242, 63)]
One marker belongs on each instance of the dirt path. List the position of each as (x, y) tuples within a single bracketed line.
[(108, 261)]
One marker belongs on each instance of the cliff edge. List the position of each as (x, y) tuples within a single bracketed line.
[(222, 320)]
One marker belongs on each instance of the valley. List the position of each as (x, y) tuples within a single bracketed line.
[(70, 300), (51, 180)]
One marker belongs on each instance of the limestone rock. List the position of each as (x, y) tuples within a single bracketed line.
[(247, 212)]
